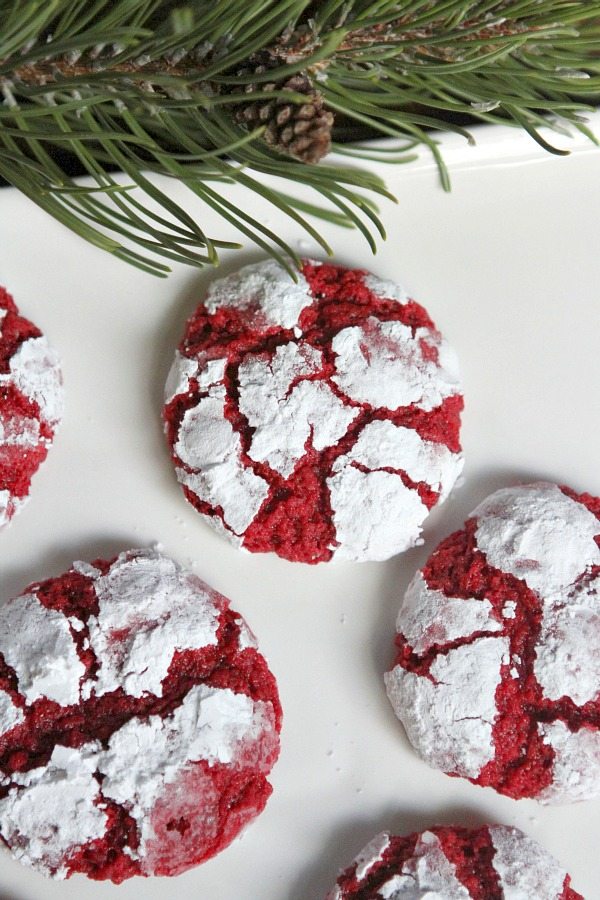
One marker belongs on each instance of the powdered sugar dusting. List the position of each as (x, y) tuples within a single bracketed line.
[(428, 873), (5, 506), (189, 769), (267, 290), (53, 810), (149, 609), (576, 764), (37, 643), (178, 379), (427, 617), (276, 441), (448, 717), (284, 415), (374, 514), (547, 651), (525, 869), (144, 756), (494, 860), (31, 406), (537, 533), (383, 444), (209, 445), (385, 288), (34, 369), (10, 715), (368, 359), (370, 855), (568, 650)]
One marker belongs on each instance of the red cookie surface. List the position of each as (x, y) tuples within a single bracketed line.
[(138, 721), (494, 862), (31, 400), (317, 419), (497, 673)]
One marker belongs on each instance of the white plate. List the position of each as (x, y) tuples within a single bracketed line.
[(508, 265)]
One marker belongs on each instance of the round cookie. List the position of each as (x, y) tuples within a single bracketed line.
[(317, 419), (138, 721), (497, 672), (31, 405), (494, 862)]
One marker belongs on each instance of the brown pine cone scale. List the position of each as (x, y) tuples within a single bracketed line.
[(302, 131)]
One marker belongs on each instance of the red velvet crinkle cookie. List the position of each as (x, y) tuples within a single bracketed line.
[(497, 674), (31, 404), (138, 721), (317, 419), (490, 863)]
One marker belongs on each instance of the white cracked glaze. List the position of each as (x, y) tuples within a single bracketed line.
[(525, 869), (448, 717), (537, 533)]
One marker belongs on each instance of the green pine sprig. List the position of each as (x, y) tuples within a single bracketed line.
[(143, 87)]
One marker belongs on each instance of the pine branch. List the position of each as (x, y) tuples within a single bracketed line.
[(210, 93)]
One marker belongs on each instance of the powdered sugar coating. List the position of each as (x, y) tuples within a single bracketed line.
[(375, 514), (367, 363), (539, 534), (211, 448), (265, 290), (277, 400), (290, 406), (524, 868), (448, 716), (145, 755), (31, 405), (36, 642), (522, 577), (53, 811), (10, 715), (575, 764), (177, 721), (148, 609), (453, 863), (427, 873), (429, 617)]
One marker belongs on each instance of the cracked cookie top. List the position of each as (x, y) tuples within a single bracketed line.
[(31, 405), (497, 672), (494, 862), (318, 419), (138, 721)]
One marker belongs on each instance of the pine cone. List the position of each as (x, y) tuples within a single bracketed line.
[(299, 130)]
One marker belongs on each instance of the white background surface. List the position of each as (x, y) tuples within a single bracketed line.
[(508, 265)]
